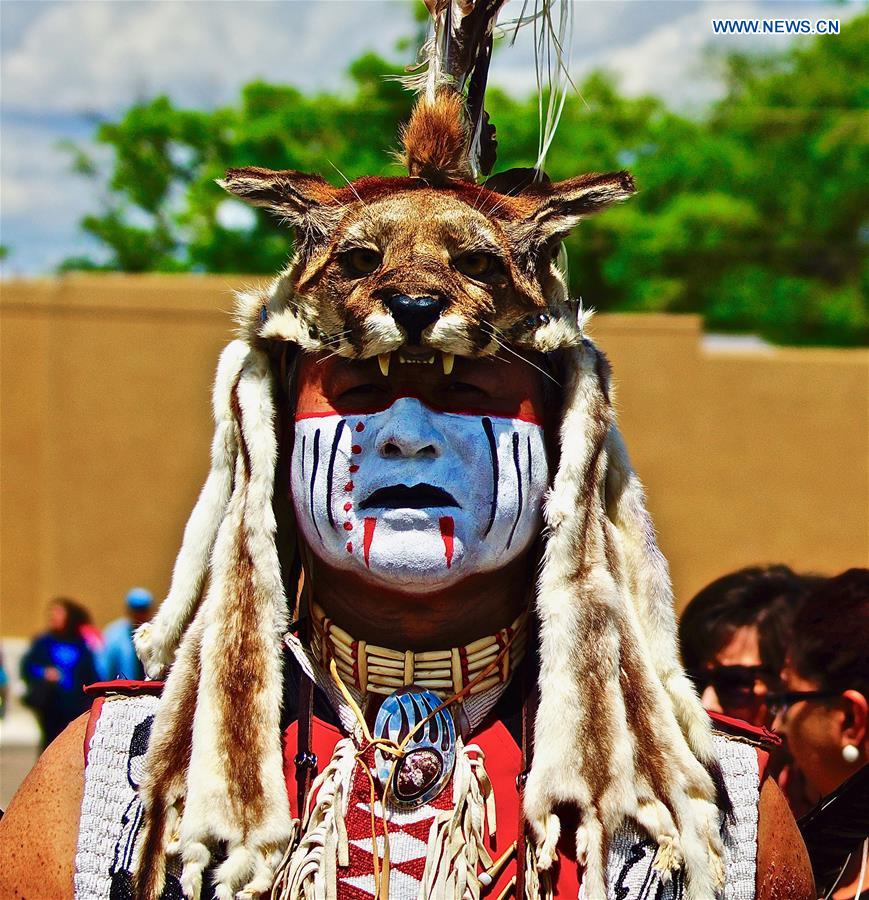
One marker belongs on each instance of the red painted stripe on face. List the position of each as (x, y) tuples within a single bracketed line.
[(447, 526), (368, 536), (523, 413)]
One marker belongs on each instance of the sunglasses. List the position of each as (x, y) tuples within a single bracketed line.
[(734, 685), (780, 703)]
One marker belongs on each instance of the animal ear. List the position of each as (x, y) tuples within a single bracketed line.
[(295, 195), (563, 204)]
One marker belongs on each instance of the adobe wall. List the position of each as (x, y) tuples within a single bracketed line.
[(105, 429)]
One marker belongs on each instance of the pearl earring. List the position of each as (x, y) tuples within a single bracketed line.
[(850, 754)]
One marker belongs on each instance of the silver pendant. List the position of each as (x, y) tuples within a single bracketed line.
[(429, 755)]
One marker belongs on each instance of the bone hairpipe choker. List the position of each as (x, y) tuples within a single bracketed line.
[(379, 670)]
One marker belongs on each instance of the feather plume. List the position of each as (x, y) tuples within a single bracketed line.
[(456, 59)]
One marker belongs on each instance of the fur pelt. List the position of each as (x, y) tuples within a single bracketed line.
[(618, 730), (157, 640), (435, 140), (214, 768)]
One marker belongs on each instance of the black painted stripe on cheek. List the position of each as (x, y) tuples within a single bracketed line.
[(528, 440), (304, 460), (518, 486), (493, 450), (314, 465), (330, 472)]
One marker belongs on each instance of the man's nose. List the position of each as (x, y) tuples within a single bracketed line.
[(409, 433), (414, 314)]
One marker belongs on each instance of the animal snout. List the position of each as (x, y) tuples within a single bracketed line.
[(414, 314)]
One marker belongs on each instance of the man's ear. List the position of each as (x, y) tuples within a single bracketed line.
[(297, 196), (563, 204)]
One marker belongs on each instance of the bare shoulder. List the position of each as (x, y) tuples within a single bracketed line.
[(38, 834), (783, 868)]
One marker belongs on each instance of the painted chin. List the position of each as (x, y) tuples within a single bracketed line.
[(418, 577), (415, 550)]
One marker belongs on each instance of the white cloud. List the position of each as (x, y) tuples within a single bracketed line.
[(101, 56)]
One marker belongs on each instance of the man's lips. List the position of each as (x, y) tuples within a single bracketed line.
[(400, 496)]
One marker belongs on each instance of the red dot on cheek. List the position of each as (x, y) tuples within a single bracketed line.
[(348, 526), (360, 426), (349, 546), (356, 449), (348, 486), (348, 507), (354, 468)]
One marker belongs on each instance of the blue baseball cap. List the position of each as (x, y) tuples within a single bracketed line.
[(139, 598)]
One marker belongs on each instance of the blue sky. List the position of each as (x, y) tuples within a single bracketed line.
[(66, 64)]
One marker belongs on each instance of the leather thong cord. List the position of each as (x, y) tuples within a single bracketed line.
[(305, 761)]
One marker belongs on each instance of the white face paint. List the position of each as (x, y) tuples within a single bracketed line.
[(416, 499)]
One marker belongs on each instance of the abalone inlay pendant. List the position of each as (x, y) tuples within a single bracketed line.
[(429, 755)]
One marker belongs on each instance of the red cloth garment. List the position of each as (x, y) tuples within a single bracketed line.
[(502, 762)]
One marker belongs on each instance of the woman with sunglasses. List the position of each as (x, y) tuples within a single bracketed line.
[(824, 713), (733, 636)]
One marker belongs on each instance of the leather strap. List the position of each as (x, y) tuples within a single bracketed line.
[(306, 761)]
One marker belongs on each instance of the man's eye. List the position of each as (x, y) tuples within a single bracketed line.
[(361, 391), (361, 261), (463, 388), (477, 265)]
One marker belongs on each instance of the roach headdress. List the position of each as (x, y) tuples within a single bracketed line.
[(619, 730)]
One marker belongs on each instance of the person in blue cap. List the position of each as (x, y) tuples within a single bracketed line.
[(118, 658)]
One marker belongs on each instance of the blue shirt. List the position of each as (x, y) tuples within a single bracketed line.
[(118, 658)]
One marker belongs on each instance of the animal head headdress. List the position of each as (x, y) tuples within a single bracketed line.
[(431, 263)]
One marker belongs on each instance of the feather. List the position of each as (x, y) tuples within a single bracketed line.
[(457, 56)]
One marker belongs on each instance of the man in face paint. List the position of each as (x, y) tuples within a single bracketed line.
[(419, 490)]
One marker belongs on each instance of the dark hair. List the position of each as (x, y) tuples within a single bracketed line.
[(764, 596), (831, 633), (76, 616)]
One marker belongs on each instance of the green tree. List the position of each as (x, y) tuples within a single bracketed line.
[(752, 214)]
